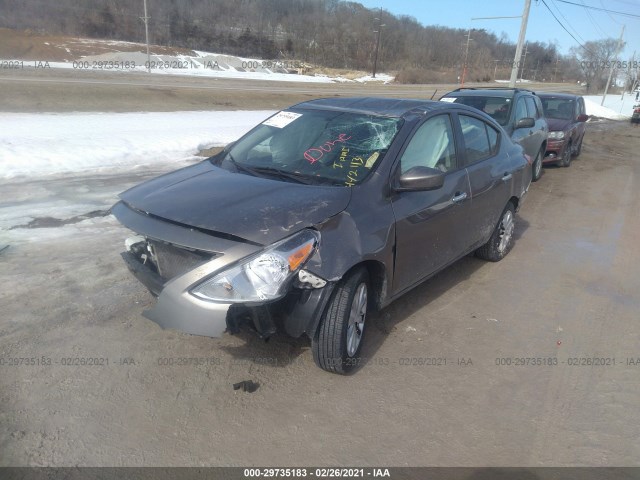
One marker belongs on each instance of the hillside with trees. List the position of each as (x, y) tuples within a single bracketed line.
[(330, 33)]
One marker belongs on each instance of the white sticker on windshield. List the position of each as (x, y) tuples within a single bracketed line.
[(448, 99), (281, 119)]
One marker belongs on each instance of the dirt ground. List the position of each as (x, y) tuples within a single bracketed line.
[(569, 290)]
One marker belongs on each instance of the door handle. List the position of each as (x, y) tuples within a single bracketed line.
[(460, 197), (507, 176)]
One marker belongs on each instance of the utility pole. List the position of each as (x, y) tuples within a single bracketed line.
[(521, 37), (555, 71), (466, 55), (379, 32), (145, 19), (606, 88), (524, 59)]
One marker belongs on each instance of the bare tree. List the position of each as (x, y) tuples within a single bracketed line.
[(595, 59), (333, 33)]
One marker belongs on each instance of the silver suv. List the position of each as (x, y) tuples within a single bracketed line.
[(518, 111)]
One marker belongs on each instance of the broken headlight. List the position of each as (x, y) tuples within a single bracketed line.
[(260, 277)]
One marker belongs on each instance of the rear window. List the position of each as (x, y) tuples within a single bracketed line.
[(498, 108), (560, 108)]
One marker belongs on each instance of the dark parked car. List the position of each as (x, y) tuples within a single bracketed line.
[(566, 116), (635, 116), (320, 213), (517, 110)]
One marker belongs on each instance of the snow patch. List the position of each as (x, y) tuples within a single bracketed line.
[(380, 77), (37, 144), (615, 106)]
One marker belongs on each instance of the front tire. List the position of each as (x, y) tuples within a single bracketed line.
[(579, 148), (565, 161), (536, 167), (338, 341), (501, 240)]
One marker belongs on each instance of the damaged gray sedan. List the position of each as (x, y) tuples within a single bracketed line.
[(320, 214)]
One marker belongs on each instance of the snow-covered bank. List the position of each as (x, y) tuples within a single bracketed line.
[(200, 64), (37, 144), (615, 106)]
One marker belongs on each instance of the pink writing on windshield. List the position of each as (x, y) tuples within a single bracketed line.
[(316, 153)]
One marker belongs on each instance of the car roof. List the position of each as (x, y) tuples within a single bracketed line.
[(390, 107), (568, 96), (487, 92)]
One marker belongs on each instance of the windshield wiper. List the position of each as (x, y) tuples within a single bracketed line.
[(296, 177), (264, 172), (238, 166)]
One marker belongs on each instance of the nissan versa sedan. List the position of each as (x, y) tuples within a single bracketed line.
[(321, 213)]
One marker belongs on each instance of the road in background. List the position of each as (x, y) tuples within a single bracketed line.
[(54, 90)]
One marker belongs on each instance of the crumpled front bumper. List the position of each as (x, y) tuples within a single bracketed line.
[(178, 309)]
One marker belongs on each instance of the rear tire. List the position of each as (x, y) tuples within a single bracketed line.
[(501, 240), (338, 341), (536, 167)]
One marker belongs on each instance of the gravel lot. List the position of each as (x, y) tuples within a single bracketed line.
[(569, 290)]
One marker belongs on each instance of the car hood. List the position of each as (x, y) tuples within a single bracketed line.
[(256, 209), (557, 124)]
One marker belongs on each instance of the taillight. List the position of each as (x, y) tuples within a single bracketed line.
[(528, 159)]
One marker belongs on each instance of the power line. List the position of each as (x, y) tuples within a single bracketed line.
[(633, 4), (567, 21), (565, 28), (592, 20), (615, 12), (609, 15)]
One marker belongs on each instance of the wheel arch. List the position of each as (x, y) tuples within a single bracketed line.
[(515, 201), (378, 280)]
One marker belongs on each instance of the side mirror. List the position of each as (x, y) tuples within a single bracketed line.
[(582, 118), (420, 178), (527, 122)]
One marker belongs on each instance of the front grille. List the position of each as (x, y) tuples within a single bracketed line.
[(173, 261)]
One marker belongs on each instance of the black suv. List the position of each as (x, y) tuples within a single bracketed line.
[(518, 111)]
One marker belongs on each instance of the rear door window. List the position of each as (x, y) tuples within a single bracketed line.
[(480, 139)]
